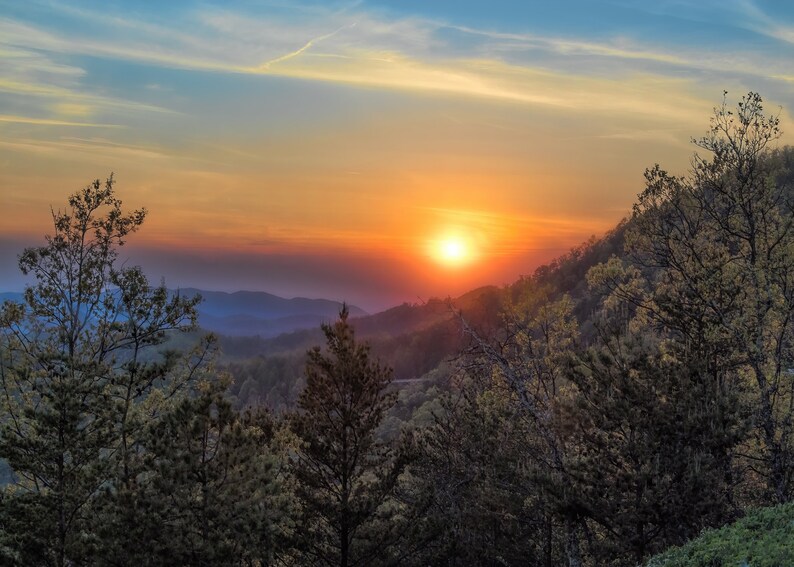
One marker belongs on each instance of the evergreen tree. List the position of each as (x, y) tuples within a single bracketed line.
[(72, 370), (210, 494), (650, 442), (345, 477)]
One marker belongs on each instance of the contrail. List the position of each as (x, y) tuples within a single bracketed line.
[(266, 65)]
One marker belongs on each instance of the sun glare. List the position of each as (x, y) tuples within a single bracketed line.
[(452, 251)]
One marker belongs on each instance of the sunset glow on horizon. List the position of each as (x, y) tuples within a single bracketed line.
[(376, 151)]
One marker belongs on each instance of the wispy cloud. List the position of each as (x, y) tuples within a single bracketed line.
[(753, 17), (353, 46), (51, 122), (746, 15), (71, 147), (32, 73), (507, 42)]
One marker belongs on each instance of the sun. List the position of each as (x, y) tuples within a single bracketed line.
[(452, 251)]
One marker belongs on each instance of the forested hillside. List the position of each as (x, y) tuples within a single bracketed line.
[(414, 340), (613, 404)]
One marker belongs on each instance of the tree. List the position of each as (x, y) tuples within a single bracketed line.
[(479, 473), (211, 495), (495, 452), (345, 477), (711, 264), (649, 438), (73, 369)]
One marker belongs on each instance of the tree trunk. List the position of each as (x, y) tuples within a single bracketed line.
[(777, 468), (549, 533), (572, 547)]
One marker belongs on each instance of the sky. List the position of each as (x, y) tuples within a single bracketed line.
[(374, 151)]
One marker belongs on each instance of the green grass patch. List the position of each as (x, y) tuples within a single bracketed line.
[(763, 538)]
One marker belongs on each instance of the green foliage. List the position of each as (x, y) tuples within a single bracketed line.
[(209, 494), (653, 437), (274, 382), (763, 538), (492, 450), (710, 258), (479, 471), (28, 529), (346, 479), (72, 370)]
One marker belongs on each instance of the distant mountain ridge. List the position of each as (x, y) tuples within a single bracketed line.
[(251, 313), (265, 305)]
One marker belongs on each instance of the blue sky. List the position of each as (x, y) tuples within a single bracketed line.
[(328, 148)]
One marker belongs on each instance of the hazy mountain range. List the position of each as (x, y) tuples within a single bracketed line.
[(252, 313)]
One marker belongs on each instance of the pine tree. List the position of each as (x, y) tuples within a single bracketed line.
[(210, 495), (650, 439), (73, 372), (345, 477)]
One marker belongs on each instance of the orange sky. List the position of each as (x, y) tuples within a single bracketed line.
[(328, 149)]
